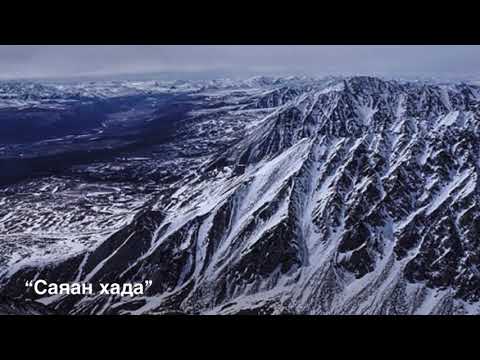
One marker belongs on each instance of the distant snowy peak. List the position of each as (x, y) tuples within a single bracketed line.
[(53, 90)]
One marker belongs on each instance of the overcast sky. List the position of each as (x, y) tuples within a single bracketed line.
[(43, 61)]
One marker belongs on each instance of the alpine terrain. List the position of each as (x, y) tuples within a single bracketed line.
[(354, 195)]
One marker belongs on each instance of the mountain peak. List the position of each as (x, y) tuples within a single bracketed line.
[(357, 195)]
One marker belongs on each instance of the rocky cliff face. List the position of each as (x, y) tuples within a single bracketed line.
[(351, 196)]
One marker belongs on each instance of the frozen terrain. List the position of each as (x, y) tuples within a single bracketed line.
[(262, 196)]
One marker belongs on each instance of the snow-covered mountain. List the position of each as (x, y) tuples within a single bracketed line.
[(270, 195), (30, 94)]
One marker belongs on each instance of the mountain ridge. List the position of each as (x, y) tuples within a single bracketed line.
[(352, 196)]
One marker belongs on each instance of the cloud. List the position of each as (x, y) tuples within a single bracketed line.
[(25, 61)]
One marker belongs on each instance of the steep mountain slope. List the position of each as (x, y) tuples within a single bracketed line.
[(15, 307), (355, 196)]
